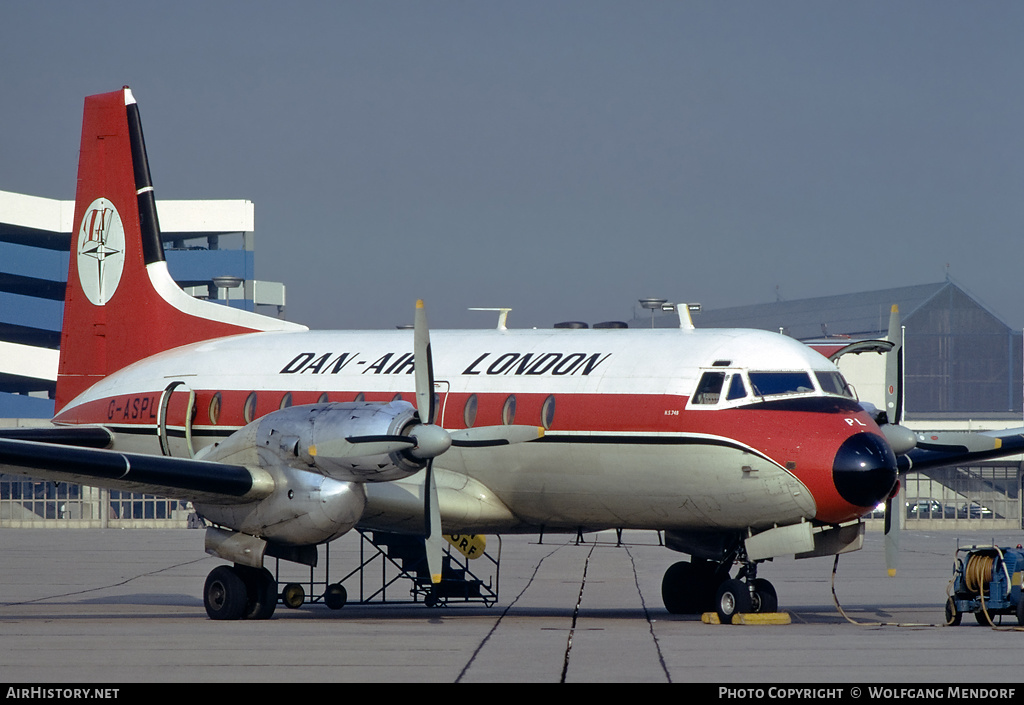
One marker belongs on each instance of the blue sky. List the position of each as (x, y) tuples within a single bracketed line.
[(561, 158)]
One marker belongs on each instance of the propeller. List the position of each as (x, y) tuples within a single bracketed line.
[(426, 440), (899, 436)]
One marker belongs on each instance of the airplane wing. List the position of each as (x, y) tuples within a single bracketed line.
[(81, 436), (180, 478)]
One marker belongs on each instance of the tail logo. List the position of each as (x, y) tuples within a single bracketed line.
[(100, 251)]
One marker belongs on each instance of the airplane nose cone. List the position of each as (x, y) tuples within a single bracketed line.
[(864, 470)]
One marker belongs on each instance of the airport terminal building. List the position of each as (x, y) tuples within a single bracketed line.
[(209, 246)]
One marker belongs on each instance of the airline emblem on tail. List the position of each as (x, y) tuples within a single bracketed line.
[(100, 251)]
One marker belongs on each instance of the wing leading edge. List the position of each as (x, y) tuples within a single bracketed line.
[(180, 478)]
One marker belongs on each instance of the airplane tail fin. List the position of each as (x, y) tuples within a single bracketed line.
[(121, 304)]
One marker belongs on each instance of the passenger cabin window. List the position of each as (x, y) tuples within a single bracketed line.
[(709, 389), (766, 384), (834, 383)]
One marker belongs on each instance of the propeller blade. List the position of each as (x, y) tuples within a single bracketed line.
[(892, 533), (424, 366), (432, 538), (894, 369), (484, 436), (361, 446), (958, 442)]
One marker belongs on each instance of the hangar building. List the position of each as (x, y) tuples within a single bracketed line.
[(963, 372)]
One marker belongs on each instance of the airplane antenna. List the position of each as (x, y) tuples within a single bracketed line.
[(502, 315), (686, 312)]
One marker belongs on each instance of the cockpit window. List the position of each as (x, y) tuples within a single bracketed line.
[(736, 388), (709, 389), (833, 383), (768, 384)]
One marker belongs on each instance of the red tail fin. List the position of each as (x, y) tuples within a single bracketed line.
[(121, 304)]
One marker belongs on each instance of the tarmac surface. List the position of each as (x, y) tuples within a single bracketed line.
[(119, 606)]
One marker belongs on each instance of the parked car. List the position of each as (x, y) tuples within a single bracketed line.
[(930, 509), (974, 510)]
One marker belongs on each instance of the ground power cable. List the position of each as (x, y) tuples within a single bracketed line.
[(106, 587), (974, 579), (835, 599)]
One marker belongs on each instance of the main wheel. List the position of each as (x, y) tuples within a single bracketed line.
[(765, 597), (262, 592), (225, 595), (678, 589), (689, 588), (733, 598)]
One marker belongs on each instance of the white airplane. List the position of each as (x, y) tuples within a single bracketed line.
[(739, 445)]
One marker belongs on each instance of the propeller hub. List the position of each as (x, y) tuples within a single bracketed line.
[(431, 441), (864, 469)]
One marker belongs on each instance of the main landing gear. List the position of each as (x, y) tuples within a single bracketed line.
[(240, 592), (705, 586)]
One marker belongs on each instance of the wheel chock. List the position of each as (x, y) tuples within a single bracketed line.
[(750, 618)]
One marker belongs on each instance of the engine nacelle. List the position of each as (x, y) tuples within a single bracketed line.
[(298, 436), (305, 509)]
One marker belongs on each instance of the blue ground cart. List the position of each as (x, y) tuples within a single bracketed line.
[(987, 583)]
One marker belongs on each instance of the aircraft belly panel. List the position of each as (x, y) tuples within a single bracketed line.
[(595, 485)]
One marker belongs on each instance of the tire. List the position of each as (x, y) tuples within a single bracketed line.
[(262, 592), (767, 598), (953, 617), (293, 596), (676, 589), (689, 588), (225, 595), (335, 596), (733, 598)]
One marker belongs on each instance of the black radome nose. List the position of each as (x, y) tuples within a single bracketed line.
[(864, 470)]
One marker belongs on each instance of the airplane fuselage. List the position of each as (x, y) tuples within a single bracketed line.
[(648, 429)]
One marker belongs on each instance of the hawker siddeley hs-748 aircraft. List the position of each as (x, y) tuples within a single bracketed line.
[(739, 445)]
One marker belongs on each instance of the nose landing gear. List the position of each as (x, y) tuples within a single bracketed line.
[(705, 586)]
